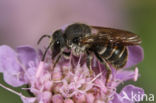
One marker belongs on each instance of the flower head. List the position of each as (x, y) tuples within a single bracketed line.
[(70, 81)]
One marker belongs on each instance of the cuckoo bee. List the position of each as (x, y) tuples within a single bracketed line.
[(109, 45)]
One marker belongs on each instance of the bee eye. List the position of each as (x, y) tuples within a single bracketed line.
[(57, 43), (75, 40)]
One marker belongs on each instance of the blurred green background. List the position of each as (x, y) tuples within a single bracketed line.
[(143, 17), (140, 18)]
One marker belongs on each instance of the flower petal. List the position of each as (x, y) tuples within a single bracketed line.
[(117, 99), (135, 55), (131, 94), (57, 98), (8, 55), (28, 99), (26, 54), (68, 101), (9, 65), (124, 75)]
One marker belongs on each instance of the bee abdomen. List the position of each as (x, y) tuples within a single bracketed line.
[(115, 55), (119, 63)]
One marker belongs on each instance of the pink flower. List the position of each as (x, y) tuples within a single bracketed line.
[(70, 81)]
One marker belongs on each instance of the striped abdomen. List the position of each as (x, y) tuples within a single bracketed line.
[(115, 55)]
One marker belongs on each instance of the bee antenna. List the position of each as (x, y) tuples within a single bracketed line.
[(43, 57), (41, 38)]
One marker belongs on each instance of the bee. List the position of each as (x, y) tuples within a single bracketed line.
[(109, 45)]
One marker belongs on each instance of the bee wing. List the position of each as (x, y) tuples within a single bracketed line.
[(110, 35)]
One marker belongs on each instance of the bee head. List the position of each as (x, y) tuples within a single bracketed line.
[(58, 42)]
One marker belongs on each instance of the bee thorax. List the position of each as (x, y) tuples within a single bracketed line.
[(76, 50)]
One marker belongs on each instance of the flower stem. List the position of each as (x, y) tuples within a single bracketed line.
[(11, 90)]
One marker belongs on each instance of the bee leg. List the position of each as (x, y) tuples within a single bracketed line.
[(89, 63), (109, 72), (89, 60), (103, 61), (56, 61)]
